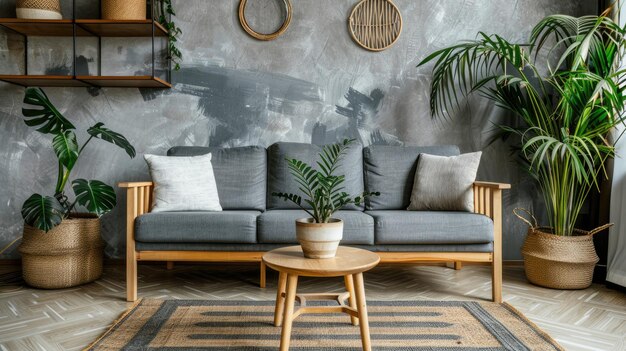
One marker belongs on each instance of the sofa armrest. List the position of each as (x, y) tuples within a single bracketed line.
[(492, 185), (134, 184), (138, 198), (488, 201), (138, 202)]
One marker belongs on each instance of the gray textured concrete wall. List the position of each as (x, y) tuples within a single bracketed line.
[(233, 90)]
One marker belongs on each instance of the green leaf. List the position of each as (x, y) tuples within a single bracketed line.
[(66, 148), (100, 132), (42, 212), (47, 117), (97, 197)]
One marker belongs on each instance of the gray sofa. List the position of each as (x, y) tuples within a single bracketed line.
[(253, 221)]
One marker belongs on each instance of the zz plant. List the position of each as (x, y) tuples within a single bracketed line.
[(46, 212), (564, 108), (323, 189)]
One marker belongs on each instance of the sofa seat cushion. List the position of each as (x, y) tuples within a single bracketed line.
[(197, 227), (279, 227), (431, 227)]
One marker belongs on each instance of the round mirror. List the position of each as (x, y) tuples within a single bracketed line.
[(269, 18)]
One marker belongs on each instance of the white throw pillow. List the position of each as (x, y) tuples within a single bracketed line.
[(183, 183), (445, 183)]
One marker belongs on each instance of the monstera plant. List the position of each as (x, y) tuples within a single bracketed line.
[(62, 247), (43, 211)]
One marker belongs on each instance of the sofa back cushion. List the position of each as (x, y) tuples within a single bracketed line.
[(281, 180), (240, 174), (390, 170)]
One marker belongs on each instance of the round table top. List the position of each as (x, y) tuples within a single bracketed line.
[(349, 260)]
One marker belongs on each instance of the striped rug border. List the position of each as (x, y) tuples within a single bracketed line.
[(520, 316)]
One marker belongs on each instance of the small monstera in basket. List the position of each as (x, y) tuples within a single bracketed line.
[(61, 247)]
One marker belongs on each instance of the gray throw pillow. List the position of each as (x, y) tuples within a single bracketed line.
[(445, 183), (183, 183)]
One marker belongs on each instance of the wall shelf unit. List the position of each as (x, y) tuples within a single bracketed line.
[(98, 28)]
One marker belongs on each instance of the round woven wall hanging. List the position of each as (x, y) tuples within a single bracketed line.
[(262, 36), (375, 24)]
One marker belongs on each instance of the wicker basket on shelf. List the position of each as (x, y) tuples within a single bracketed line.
[(38, 9), (124, 9), (559, 262), (68, 255)]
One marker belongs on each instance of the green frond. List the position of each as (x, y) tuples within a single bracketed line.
[(324, 190), (562, 117)]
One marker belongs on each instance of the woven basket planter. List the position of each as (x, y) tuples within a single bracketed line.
[(38, 9), (68, 255), (559, 262), (124, 9)]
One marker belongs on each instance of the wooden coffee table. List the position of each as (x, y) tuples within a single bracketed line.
[(349, 263)]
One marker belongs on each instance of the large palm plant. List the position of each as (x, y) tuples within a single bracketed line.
[(565, 106)]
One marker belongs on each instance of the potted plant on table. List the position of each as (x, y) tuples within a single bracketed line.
[(60, 247), (563, 119), (320, 234)]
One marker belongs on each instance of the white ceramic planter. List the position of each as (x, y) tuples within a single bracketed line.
[(319, 240)]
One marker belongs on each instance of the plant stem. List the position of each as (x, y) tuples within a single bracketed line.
[(307, 211), (66, 176), (85, 144), (71, 207), (58, 189)]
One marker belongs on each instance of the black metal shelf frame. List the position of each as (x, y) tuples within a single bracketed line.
[(84, 28)]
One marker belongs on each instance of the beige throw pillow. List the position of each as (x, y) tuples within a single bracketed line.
[(183, 183), (445, 183)]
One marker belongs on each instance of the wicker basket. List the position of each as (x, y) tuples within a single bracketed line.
[(124, 9), (38, 9), (559, 262), (68, 255)]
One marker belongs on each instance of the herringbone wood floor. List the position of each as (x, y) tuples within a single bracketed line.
[(30, 319)]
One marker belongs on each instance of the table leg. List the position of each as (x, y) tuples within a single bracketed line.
[(362, 308), (262, 275), (349, 280), (285, 337), (280, 299)]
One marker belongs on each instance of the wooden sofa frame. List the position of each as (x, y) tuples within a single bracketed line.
[(487, 201)]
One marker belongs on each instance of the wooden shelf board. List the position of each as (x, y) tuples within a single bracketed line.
[(44, 28), (122, 28), (42, 80), (86, 81), (125, 81), (85, 27)]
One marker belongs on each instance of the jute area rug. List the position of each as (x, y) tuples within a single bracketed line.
[(176, 325)]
